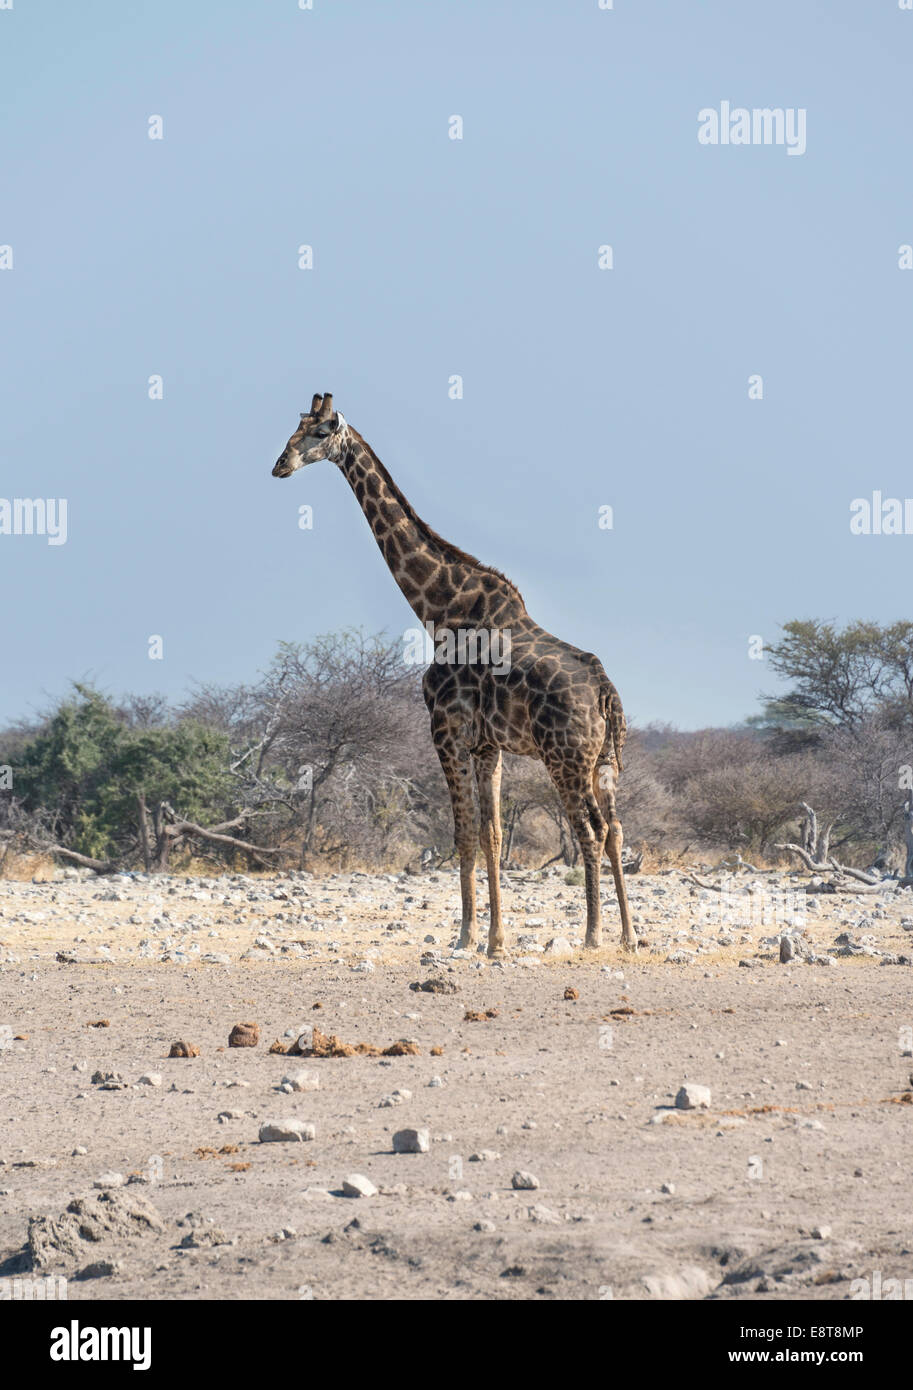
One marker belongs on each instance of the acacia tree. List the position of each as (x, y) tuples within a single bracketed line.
[(99, 788), (841, 677)]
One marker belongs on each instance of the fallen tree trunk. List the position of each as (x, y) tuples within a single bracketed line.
[(170, 830)]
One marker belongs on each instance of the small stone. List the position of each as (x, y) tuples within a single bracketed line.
[(100, 1269), (411, 1141), (523, 1181), (286, 1132), (80, 1151), (692, 1097), (394, 1098), (204, 1234), (484, 1156), (357, 1185), (150, 1078), (302, 1081), (484, 1226), (184, 1049), (792, 947), (558, 946), (821, 1233), (109, 1180), (668, 1188), (108, 1080)]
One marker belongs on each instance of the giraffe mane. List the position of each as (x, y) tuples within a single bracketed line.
[(452, 552)]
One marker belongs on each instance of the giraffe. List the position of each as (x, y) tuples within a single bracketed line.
[(548, 700)]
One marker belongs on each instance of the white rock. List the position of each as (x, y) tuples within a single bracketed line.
[(357, 1185), (286, 1132), (150, 1078), (302, 1081), (692, 1097), (524, 1182), (411, 1141)]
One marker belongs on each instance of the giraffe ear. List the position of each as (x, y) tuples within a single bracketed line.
[(340, 420)]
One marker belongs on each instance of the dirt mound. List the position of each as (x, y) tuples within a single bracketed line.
[(89, 1221)]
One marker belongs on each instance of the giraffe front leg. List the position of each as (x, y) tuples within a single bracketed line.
[(488, 779), (455, 762), (469, 927)]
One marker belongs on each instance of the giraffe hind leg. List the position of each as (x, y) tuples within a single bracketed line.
[(613, 846), (589, 827)]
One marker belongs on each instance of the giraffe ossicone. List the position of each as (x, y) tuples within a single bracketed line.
[(550, 701)]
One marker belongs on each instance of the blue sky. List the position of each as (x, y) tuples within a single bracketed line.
[(433, 257)]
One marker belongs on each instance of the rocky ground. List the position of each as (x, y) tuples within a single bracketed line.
[(701, 1121)]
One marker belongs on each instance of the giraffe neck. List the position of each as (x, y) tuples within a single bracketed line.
[(441, 584)]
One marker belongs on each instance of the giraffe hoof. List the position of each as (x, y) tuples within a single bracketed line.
[(630, 946), (497, 954)]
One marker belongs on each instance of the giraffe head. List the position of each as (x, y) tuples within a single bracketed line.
[(320, 435)]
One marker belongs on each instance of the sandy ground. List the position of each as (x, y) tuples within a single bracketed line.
[(792, 1184)]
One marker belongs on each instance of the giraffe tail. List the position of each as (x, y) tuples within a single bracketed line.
[(616, 725)]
